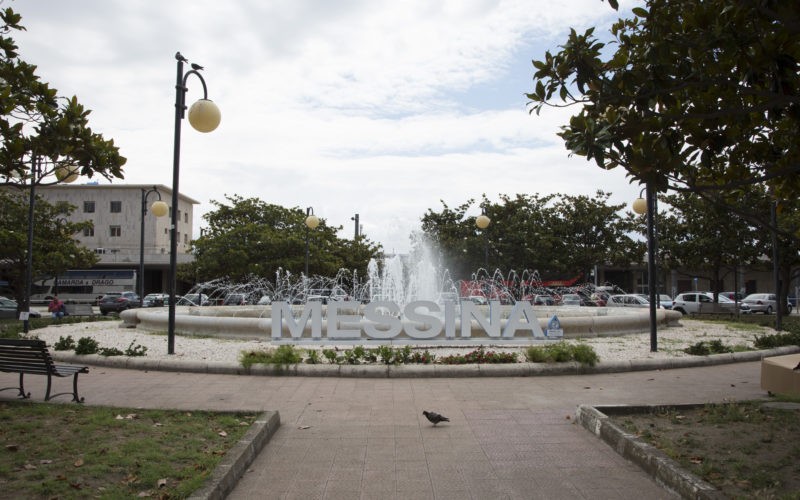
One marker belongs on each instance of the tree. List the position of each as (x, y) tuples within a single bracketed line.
[(553, 234), (36, 123), (54, 248), (698, 96), (248, 237), (701, 236)]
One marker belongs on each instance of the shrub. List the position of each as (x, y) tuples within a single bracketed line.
[(109, 351), (777, 340), (585, 355), (386, 354), (562, 352), (86, 345), (313, 357), (282, 355), (706, 348), (135, 351), (331, 356), (64, 344), (479, 355), (423, 357)]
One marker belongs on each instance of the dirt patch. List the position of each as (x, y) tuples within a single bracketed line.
[(745, 449)]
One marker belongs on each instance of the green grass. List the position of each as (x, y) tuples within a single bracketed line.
[(73, 451)]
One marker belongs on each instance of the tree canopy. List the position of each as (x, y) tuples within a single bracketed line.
[(54, 248), (698, 96), (248, 237), (37, 123), (557, 235)]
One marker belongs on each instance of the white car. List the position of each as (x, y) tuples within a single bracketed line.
[(627, 300), (703, 302)]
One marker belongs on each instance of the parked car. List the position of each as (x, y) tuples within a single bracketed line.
[(540, 300), (697, 302), (8, 309), (734, 296), (235, 299), (118, 302), (476, 299), (627, 300), (763, 302), (155, 300), (570, 299), (664, 300), (265, 300), (193, 299)]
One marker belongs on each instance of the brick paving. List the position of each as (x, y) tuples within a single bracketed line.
[(361, 438)]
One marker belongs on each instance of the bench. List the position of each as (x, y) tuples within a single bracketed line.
[(32, 357), (79, 309)]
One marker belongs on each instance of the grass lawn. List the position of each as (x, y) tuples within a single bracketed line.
[(75, 451)]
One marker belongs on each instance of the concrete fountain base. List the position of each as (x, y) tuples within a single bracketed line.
[(255, 323)]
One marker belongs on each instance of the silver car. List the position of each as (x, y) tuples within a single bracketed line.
[(627, 300), (763, 302)]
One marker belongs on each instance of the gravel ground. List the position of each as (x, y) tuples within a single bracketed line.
[(671, 341)]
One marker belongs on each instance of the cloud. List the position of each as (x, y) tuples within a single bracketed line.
[(371, 107)]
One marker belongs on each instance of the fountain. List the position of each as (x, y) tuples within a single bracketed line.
[(398, 302)]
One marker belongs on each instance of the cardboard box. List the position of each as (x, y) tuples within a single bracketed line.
[(781, 374)]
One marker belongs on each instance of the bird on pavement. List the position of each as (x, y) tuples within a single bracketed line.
[(434, 417)]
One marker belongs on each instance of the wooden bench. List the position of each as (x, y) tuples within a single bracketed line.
[(79, 309), (32, 357)]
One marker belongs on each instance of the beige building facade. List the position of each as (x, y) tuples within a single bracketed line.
[(116, 213)]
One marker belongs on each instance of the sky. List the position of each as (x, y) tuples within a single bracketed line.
[(371, 107)]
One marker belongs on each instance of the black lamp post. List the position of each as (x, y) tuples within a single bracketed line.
[(312, 221), (355, 219), (648, 206), (204, 116), (482, 222), (160, 209)]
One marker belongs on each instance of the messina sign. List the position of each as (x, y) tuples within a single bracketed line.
[(419, 320)]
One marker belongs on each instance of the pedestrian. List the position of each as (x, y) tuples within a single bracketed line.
[(56, 308)]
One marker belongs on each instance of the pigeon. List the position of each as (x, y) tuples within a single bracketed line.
[(434, 417)]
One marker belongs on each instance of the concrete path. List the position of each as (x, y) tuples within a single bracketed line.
[(351, 438)]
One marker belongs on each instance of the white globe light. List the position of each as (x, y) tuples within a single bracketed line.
[(204, 115), (312, 221), (159, 208), (639, 206), (67, 173), (482, 221)]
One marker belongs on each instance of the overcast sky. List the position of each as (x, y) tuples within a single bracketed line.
[(381, 108)]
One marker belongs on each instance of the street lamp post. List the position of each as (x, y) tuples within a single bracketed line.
[(312, 221), (159, 209), (204, 116), (648, 206), (355, 219), (482, 222)]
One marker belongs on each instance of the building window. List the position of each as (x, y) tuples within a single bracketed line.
[(166, 231), (88, 231), (116, 207), (115, 231), (185, 239), (186, 217), (88, 207)]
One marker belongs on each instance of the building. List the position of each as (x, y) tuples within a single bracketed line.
[(116, 211)]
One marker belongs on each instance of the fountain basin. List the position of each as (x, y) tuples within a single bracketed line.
[(256, 323)]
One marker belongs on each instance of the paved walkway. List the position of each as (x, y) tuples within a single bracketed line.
[(509, 437)]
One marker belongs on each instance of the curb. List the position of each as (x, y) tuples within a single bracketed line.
[(236, 461), (419, 371), (665, 471)]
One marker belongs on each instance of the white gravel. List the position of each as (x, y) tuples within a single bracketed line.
[(671, 341)]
